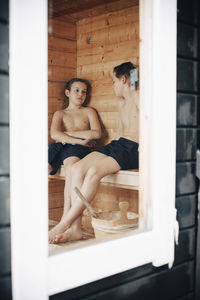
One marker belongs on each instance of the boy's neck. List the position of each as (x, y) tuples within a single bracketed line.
[(129, 94), (73, 107)]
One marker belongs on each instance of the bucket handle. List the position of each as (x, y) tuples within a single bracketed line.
[(123, 209)]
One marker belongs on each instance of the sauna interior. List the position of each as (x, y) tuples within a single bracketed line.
[(87, 38)]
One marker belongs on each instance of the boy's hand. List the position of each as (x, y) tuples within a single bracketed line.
[(68, 133), (92, 143), (85, 142)]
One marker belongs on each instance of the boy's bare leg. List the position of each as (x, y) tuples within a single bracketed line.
[(95, 166), (60, 227), (75, 231), (68, 162)]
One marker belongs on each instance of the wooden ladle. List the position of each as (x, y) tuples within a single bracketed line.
[(86, 203)]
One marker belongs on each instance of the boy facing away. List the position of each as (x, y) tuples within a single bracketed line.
[(121, 153), (74, 129)]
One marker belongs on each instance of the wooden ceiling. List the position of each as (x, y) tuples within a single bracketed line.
[(75, 10)]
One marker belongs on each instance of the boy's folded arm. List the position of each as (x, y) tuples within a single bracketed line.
[(58, 135), (95, 127), (91, 134), (94, 132), (62, 137)]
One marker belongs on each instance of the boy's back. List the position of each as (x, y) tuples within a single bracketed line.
[(129, 118)]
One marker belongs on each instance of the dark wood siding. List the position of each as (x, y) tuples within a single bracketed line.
[(147, 282), (5, 265)]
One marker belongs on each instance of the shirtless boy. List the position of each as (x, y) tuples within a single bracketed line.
[(121, 153), (73, 129)]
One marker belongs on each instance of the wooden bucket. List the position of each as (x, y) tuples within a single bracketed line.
[(108, 224)]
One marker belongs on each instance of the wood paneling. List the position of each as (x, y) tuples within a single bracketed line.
[(56, 89), (58, 58), (61, 68), (55, 213), (103, 41), (58, 73), (62, 29), (78, 9), (61, 62), (124, 16), (59, 44), (56, 199)]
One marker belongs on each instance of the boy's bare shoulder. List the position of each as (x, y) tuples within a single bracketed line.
[(89, 109), (58, 115), (59, 112)]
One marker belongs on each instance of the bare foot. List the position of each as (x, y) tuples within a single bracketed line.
[(69, 235), (58, 229)]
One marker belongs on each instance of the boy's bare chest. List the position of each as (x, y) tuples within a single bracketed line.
[(129, 123), (129, 116), (75, 120)]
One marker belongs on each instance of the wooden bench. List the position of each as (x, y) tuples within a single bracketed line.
[(127, 179)]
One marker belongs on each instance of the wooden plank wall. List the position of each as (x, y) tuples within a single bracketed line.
[(61, 62), (103, 42), (61, 68)]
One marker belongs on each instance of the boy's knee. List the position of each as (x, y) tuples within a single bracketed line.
[(76, 170), (93, 174), (67, 171)]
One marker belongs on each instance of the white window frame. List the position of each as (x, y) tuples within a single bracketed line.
[(34, 274)]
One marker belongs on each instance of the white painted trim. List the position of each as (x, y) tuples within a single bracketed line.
[(158, 123), (28, 148), (163, 135), (100, 260), (33, 274)]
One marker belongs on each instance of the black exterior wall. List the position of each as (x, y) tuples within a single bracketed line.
[(146, 282), (5, 268)]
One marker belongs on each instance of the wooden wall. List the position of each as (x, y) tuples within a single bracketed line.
[(99, 43), (61, 68), (61, 62), (103, 42)]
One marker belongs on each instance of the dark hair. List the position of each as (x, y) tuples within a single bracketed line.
[(70, 82), (124, 69)]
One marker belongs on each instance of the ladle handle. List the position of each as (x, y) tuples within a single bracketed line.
[(91, 210), (123, 208)]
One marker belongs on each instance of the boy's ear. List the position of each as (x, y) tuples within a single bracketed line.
[(124, 79), (66, 93)]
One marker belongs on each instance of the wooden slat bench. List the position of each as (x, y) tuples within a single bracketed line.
[(128, 179)]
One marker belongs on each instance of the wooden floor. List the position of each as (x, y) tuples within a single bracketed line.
[(62, 247), (88, 239)]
